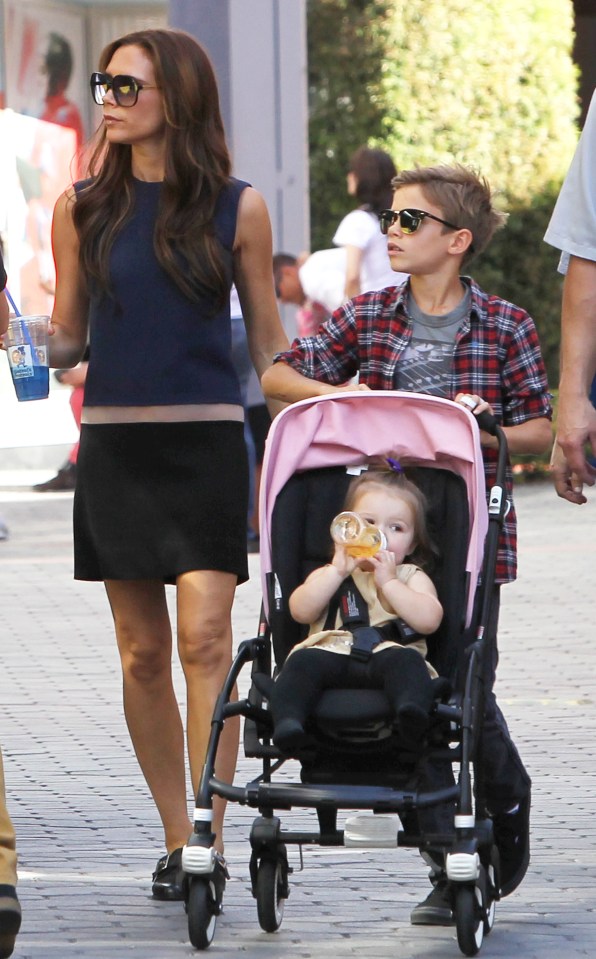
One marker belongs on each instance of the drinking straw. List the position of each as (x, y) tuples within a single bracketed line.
[(12, 302), (24, 330)]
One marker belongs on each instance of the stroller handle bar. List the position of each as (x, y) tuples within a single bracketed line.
[(487, 422)]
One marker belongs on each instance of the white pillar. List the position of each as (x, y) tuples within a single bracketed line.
[(258, 48)]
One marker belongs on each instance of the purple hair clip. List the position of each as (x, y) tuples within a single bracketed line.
[(395, 465)]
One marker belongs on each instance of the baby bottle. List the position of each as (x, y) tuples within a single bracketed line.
[(358, 537)]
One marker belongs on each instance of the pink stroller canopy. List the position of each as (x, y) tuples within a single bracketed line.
[(347, 429)]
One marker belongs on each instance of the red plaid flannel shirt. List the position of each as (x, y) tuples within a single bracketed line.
[(496, 355)]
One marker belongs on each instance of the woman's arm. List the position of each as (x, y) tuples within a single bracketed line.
[(3, 313), (353, 267), (253, 277), (69, 321)]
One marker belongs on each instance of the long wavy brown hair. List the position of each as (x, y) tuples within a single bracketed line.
[(197, 167)]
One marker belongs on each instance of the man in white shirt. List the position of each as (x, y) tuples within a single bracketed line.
[(572, 229)]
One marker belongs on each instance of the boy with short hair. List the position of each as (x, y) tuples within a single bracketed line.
[(439, 333)]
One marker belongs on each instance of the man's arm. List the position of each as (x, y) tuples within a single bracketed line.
[(576, 418)]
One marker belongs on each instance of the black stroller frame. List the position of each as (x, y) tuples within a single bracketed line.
[(336, 770)]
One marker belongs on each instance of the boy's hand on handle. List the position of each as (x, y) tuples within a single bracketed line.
[(474, 403), (477, 405)]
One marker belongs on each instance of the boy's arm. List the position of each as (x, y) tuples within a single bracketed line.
[(315, 365), (282, 382), (526, 401), (533, 436)]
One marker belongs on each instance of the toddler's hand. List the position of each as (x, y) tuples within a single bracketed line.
[(343, 562), (384, 567)]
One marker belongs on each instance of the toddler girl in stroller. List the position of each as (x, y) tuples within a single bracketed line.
[(372, 611)]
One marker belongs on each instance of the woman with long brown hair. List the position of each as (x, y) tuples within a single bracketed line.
[(146, 251)]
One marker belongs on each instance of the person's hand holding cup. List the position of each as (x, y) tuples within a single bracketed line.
[(26, 346)]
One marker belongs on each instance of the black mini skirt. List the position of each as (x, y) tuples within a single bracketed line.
[(154, 500)]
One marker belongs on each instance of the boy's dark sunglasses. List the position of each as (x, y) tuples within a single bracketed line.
[(125, 89), (409, 220)]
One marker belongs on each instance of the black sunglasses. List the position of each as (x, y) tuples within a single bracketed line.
[(125, 89), (409, 220)]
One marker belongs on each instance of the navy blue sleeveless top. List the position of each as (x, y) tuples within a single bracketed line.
[(150, 345)]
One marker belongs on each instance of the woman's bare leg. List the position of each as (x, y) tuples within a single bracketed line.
[(144, 638), (205, 600)]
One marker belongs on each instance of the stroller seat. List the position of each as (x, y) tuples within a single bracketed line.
[(301, 542)]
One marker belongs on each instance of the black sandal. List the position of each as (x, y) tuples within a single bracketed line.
[(168, 878)]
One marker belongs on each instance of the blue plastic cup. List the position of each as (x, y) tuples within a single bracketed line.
[(27, 349)]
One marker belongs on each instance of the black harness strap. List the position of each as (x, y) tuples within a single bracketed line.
[(354, 614)]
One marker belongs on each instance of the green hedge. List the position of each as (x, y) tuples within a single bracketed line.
[(492, 85), (522, 268)]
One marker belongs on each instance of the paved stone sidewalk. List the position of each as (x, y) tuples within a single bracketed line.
[(89, 837)]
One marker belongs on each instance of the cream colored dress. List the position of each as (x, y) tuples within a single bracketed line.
[(340, 640)]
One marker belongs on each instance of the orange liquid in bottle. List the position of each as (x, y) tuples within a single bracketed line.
[(358, 538)]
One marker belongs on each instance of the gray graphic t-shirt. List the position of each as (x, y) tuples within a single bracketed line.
[(426, 363)]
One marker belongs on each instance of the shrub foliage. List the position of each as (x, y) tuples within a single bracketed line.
[(491, 85)]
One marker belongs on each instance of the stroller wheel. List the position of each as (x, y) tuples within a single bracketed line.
[(469, 918), (489, 899), (269, 893), (202, 912)]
